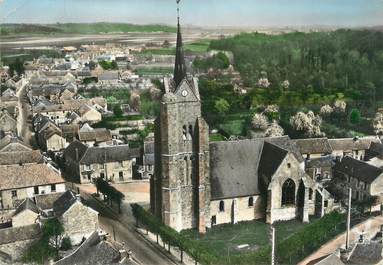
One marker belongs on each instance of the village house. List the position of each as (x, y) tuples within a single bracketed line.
[(78, 220), (18, 182), (10, 143), (7, 122), (313, 147), (98, 249), (112, 163), (354, 147), (364, 179), (148, 159), (14, 241), (26, 213), (49, 135), (94, 137)]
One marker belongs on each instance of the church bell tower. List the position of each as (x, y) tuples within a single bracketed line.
[(180, 187)]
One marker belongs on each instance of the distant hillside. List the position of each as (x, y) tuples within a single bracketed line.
[(79, 28)]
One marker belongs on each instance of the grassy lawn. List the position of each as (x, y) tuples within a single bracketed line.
[(216, 137), (154, 71), (224, 239), (233, 127)]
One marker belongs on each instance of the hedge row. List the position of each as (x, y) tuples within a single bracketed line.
[(288, 251), (172, 237)]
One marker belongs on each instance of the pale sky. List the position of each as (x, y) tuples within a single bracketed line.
[(197, 12)]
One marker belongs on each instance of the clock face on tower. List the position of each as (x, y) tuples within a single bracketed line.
[(184, 93)]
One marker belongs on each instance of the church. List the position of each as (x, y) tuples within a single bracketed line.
[(199, 184)]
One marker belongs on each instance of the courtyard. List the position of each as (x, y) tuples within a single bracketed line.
[(228, 239)]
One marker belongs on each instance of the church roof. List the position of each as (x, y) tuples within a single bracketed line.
[(179, 67), (234, 168)]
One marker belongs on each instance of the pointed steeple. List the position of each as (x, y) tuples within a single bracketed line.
[(180, 66)]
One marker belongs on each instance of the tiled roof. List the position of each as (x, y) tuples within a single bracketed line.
[(350, 144), (23, 157), (15, 176), (314, 146), (97, 135), (45, 201), (27, 204), (22, 233)]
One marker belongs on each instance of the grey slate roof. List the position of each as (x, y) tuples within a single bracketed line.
[(314, 146), (99, 155), (95, 251), (234, 168), (366, 254), (286, 143), (272, 157), (350, 144), (375, 150), (358, 169), (324, 161), (22, 233), (331, 259), (27, 204), (46, 201), (64, 202)]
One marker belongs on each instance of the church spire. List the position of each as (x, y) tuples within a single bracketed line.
[(179, 67)]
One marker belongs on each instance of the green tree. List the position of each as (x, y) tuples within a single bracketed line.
[(222, 106), (355, 116), (117, 111)]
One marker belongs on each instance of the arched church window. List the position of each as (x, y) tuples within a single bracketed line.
[(310, 194), (221, 206), (288, 192), (251, 202), (184, 132), (190, 135)]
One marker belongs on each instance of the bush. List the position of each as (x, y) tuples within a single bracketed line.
[(66, 244)]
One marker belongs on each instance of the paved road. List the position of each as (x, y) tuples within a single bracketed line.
[(143, 251), (23, 128)]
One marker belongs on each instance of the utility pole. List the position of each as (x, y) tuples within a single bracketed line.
[(348, 219), (272, 245)]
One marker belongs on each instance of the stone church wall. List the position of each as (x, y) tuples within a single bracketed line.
[(240, 212)]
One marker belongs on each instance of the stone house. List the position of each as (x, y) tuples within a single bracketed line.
[(320, 168), (10, 143), (354, 147), (313, 147), (49, 135), (44, 203), (98, 249), (18, 182), (112, 163), (7, 122), (78, 220), (14, 241), (94, 137), (26, 213), (89, 114), (364, 179)]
